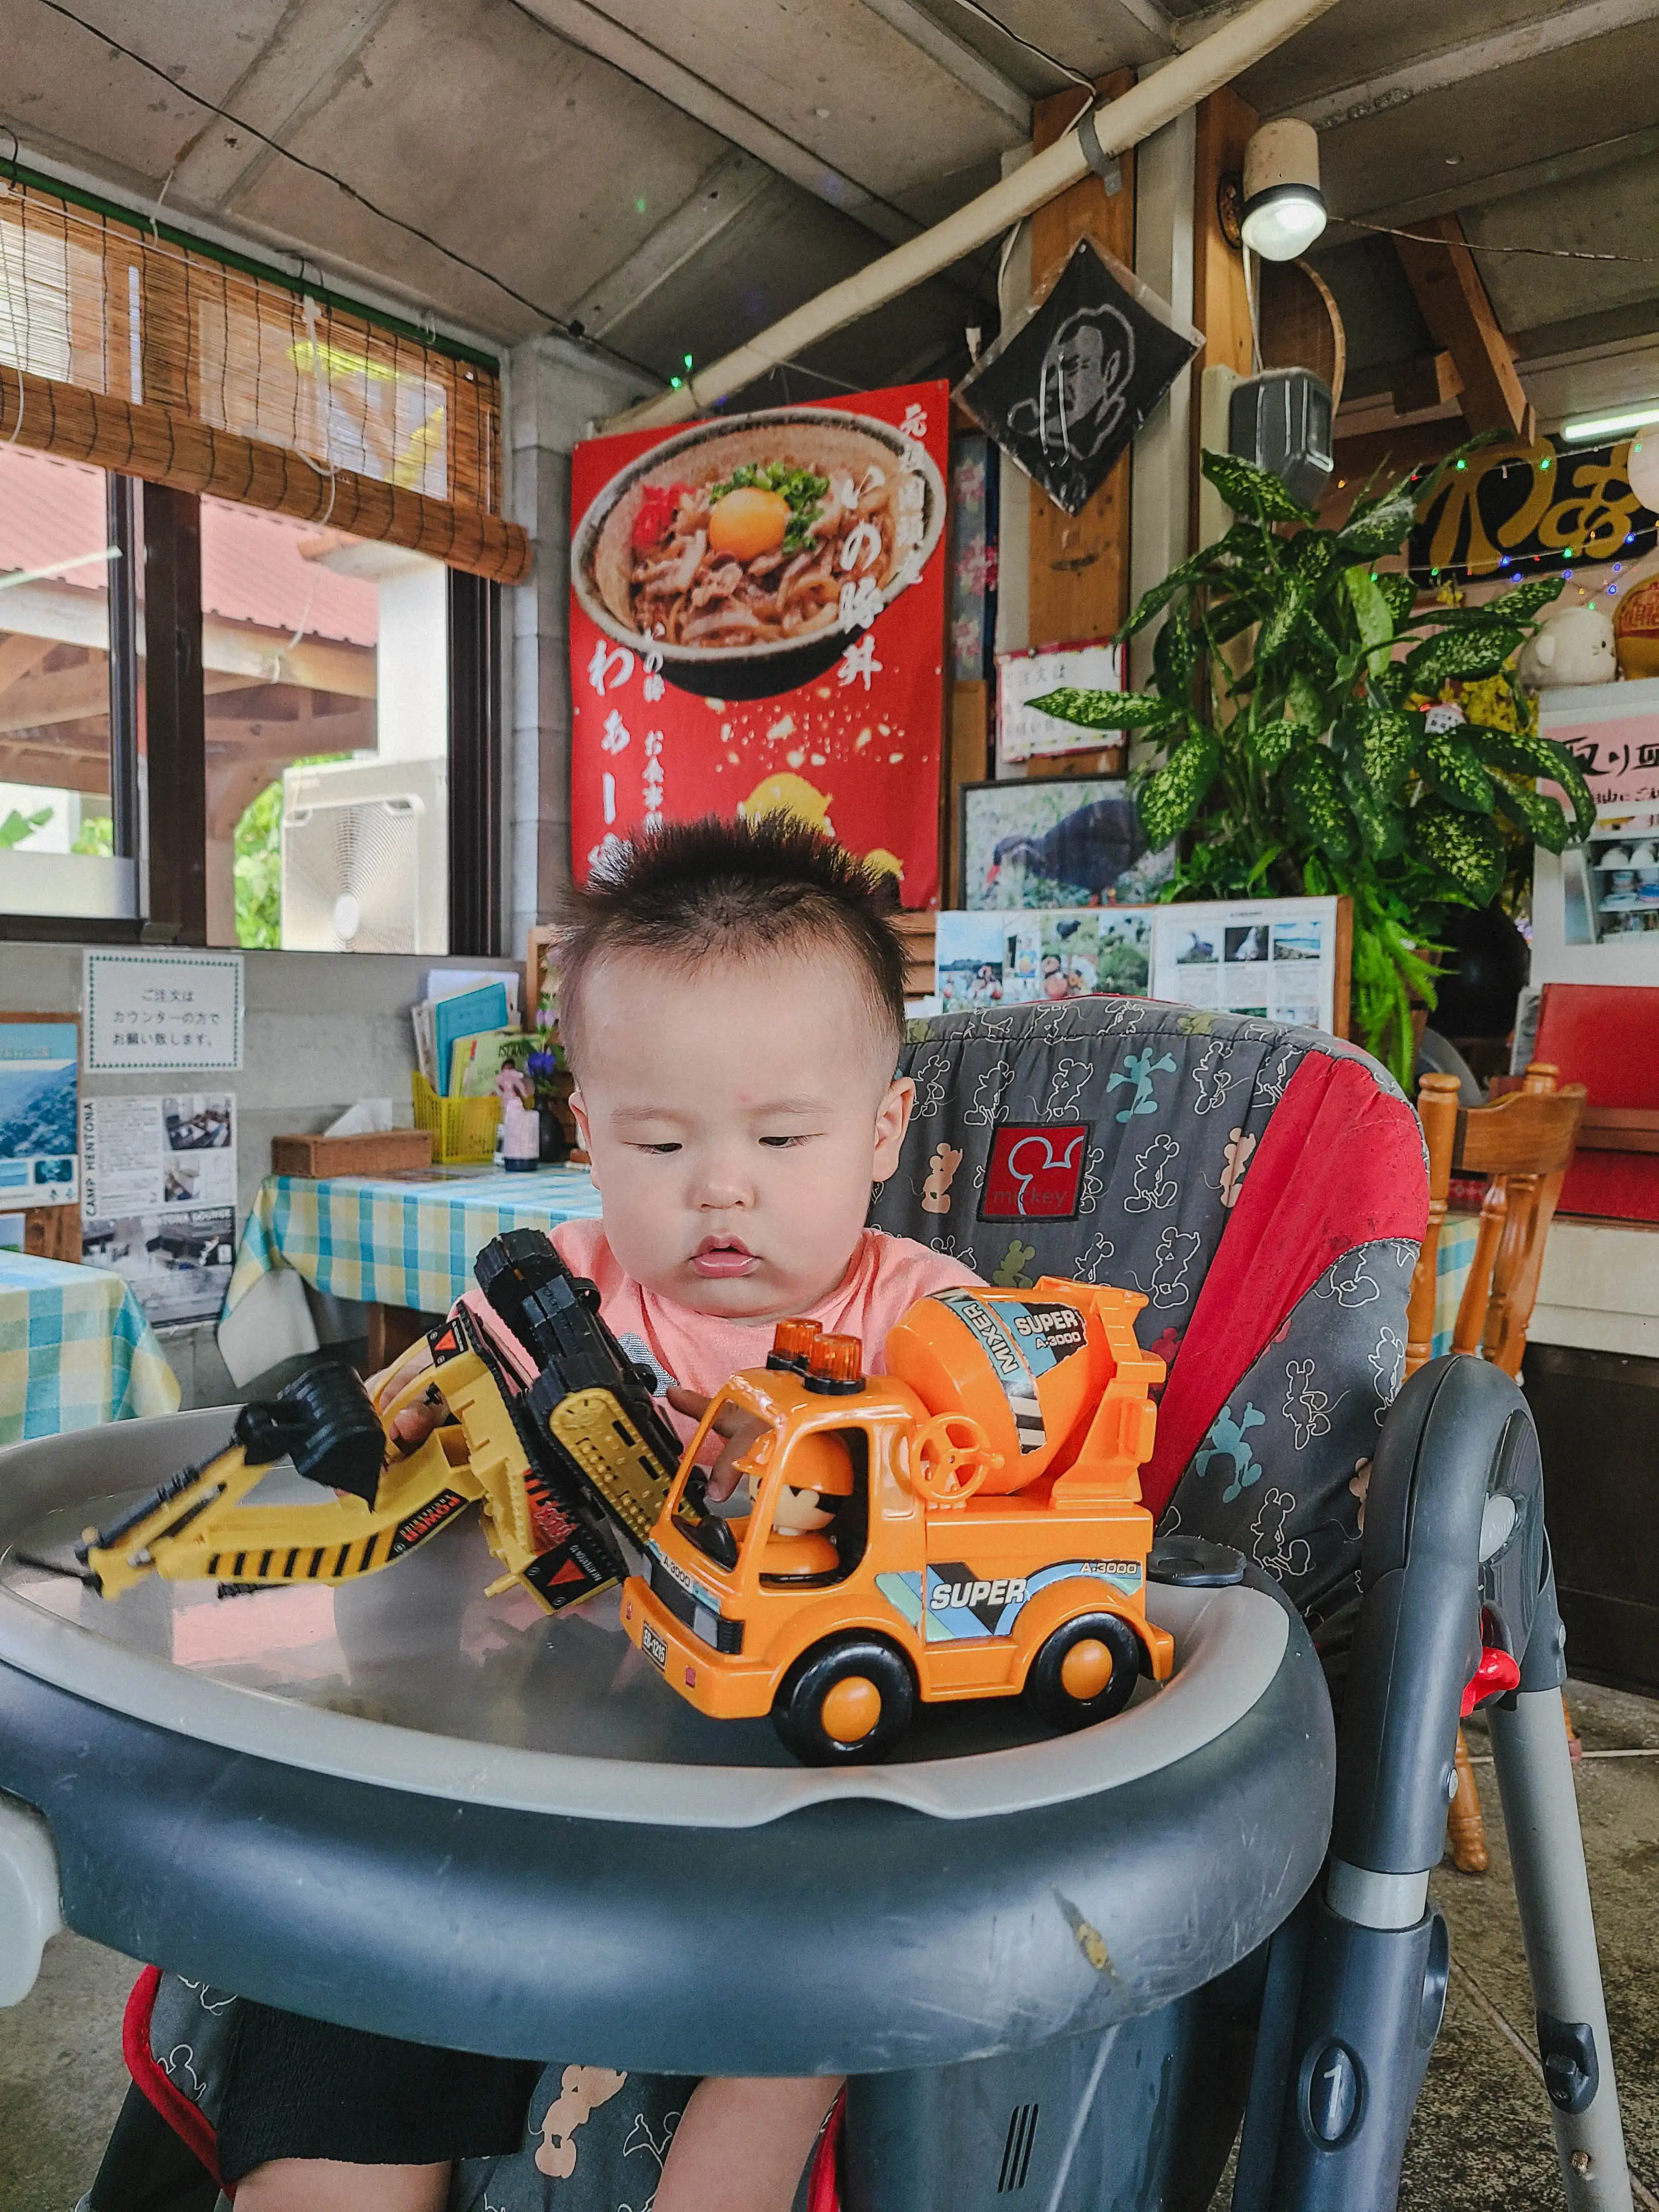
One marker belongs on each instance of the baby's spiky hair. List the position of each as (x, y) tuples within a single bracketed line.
[(693, 893)]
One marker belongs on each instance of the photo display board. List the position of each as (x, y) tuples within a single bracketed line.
[(1057, 841), (1281, 960), (39, 1139), (159, 1201), (757, 623)]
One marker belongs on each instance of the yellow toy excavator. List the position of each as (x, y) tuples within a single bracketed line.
[(967, 1524), (554, 1434)]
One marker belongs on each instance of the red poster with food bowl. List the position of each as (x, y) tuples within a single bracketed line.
[(757, 622)]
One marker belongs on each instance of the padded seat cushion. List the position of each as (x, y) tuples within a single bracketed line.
[(1265, 1187)]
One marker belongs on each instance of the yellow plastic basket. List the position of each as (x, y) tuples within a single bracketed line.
[(462, 1129)]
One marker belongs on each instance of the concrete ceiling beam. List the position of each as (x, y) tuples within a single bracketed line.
[(1113, 127), (736, 180), (295, 74), (959, 59), (1474, 58), (596, 33), (1474, 191)]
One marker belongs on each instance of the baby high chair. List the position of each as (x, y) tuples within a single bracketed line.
[(1056, 1971)]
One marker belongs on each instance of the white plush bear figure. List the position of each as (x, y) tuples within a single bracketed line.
[(1573, 645)]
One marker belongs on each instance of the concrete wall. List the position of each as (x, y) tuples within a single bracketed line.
[(321, 1031), (556, 392)]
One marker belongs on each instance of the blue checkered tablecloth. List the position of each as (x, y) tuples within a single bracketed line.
[(413, 1243), (398, 1243), (75, 1350), (1454, 1258)]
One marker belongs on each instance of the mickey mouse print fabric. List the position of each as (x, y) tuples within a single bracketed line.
[(1264, 1186)]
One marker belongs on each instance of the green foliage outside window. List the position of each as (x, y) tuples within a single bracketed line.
[(257, 864), (17, 827)]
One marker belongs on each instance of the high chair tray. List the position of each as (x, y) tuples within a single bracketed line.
[(405, 1806)]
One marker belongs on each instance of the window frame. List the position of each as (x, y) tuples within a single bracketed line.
[(166, 837)]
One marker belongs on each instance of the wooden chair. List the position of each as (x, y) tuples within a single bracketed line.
[(1522, 1143)]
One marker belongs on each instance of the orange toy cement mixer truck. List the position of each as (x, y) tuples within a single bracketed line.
[(968, 1525)]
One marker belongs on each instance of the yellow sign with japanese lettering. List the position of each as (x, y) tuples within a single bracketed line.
[(1516, 509)]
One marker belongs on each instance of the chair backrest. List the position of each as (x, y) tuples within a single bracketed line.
[(1264, 1186), (1522, 1144)]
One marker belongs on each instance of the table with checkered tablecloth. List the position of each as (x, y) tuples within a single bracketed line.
[(1454, 1257), (406, 1243), (75, 1350), (398, 1243)]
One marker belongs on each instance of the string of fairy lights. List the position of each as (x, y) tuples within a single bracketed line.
[(1632, 551)]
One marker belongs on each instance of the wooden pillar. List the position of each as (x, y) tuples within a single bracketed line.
[(1461, 321), (1221, 304), (1078, 566), (1160, 498)]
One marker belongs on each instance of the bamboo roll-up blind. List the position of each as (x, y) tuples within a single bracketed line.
[(139, 352)]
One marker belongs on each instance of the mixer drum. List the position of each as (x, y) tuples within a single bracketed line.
[(1024, 1364)]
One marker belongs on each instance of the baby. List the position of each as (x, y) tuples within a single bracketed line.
[(733, 1007)]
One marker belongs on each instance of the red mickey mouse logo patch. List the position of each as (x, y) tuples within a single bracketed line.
[(1036, 1172)]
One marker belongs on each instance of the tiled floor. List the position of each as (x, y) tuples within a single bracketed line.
[(1482, 2140)]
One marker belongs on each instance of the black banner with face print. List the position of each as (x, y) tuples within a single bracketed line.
[(1066, 393)]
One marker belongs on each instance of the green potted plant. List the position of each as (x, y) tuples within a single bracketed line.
[(1294, 748)]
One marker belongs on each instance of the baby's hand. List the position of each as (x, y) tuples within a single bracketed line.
[(416, 1423), (740, 1431)]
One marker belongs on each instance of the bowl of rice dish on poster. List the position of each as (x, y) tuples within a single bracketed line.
[(747, 552)]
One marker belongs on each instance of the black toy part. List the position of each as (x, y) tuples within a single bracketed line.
[(865, 1674), (324, 1423), (1062, 1702)]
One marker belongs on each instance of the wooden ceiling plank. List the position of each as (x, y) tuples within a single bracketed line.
[(67, 695), (1428, 381), (1450, 291), (19, 654)]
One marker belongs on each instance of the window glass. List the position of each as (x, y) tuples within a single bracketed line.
[(57, 845), (326, 665)]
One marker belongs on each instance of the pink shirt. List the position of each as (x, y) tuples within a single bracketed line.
[(885, 1278)]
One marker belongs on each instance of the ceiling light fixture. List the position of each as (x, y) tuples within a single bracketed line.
[(1284, 207), (1582, 428)]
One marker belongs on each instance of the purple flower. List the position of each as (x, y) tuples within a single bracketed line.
[(542, 1065)]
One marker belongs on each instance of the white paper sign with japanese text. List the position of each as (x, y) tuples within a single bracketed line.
[(154, 1010)]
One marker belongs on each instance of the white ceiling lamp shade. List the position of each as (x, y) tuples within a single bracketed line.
[(1284, 207), (1643, 467)]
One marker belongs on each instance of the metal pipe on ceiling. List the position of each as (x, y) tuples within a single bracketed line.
[(1116, 126)]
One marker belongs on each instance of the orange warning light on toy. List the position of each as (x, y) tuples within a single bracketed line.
[(967, 1525)]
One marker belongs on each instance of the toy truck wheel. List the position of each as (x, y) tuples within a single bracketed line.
[(846, 1701), (1085, 1672)]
